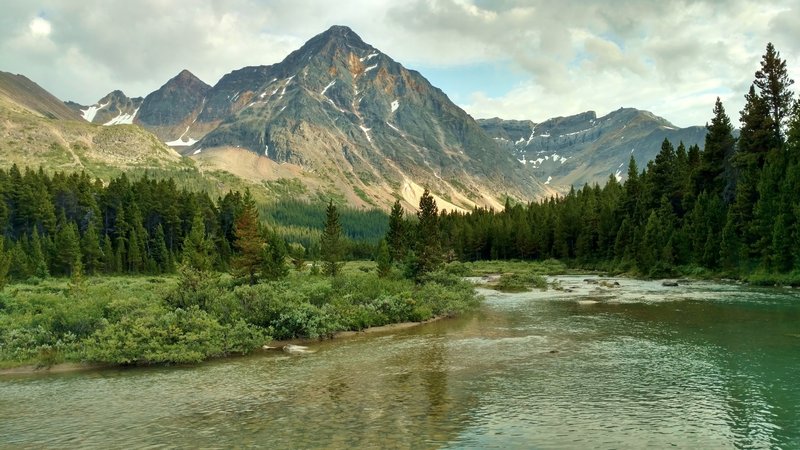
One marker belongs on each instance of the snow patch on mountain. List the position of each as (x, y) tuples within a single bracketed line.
[(368, 57), (91, 111), (122, 119), (327, 87), (370, 68), (366, 132), (395, 105), (180, 142)]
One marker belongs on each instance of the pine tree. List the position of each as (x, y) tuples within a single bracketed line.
[(331, 242), (715, 167), (67, 247), (160, 252), (397, 234), (383, 259), (20, 268), (135, 260), (274, 267), (197, 248), (92, 253), (5, 263), (109, 260), (773, 83), (248, 262), (428, 250), (730, 245), (781, 258)]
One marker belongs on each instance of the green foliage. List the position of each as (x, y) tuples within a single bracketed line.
[(731, 208), (275, 253), (181, 336), (384, 260), (5, 263), (520, 282), (428, 255), (249, 242), (331, 243), (397, 237)]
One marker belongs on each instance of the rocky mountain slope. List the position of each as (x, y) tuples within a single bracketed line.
[(343, 110), (20, 93), (583, 148), (37, 129), (116, 108), (346, 120)]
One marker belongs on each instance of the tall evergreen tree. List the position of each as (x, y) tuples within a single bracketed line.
[(715, 168), (383, 259), (92, 253), (38, 260), (67, 247), (248, 262), (428, 250), (274, 266), (197, 248), (332, 242), (397, 235), (773, 83), (5, 263)]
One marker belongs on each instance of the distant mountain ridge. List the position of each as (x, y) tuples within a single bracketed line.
[(347, 119), (583, 148), (28, 95), (116, 108)]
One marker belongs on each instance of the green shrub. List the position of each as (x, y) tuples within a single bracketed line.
[(179, 336), (515, 282)]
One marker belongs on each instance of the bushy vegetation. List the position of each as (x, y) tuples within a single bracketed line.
[(520, 282), (141, 320)]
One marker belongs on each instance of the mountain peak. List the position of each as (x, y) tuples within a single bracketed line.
[(186, 76), (333, 40)]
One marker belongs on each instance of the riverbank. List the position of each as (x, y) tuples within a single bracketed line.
[(388, 328), (70, 367), (130, 321)]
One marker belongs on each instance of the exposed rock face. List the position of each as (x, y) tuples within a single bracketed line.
[(368, 127), (173, 102), (583, 148)]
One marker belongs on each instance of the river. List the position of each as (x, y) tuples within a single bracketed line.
[(701, 365)]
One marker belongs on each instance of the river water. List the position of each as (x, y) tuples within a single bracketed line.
[(635, 366)]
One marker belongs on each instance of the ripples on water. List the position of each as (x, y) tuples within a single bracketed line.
[(705, 366)]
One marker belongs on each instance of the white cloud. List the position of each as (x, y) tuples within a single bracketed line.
[(672, 57), (40, 27)]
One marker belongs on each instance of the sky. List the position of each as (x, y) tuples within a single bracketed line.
[(515, 59)]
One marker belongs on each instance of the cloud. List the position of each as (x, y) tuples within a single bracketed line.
[(670, 56), (40, 27)]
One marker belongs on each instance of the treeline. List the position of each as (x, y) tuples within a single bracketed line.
[(60, 224), (733, 208)]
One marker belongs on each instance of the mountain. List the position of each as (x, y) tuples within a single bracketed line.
[(173, 108), (37, 129), (113, 109), (347, 121), (583, 148), (23, 93)]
